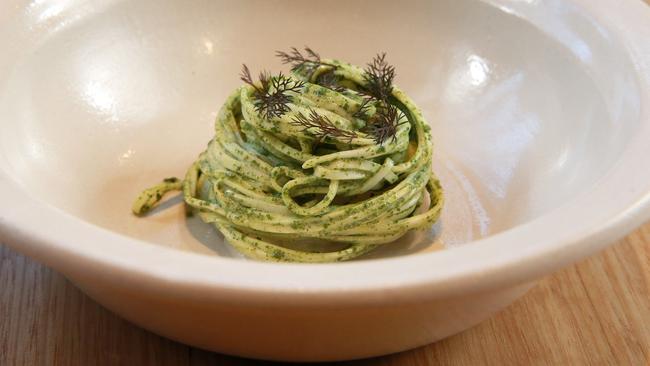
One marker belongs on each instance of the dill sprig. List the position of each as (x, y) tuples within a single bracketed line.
[(272, 96), (307, 63), (383, 125), (331, 81), (271, 99), (379, 77), (364, 108), (321, 127), (378, 89), (263, 77)]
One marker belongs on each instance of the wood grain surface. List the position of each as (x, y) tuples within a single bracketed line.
[(594, 313)]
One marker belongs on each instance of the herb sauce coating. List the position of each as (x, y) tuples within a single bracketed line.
[(330, 153)]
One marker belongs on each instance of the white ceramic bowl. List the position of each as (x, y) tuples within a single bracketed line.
[(540, 111)]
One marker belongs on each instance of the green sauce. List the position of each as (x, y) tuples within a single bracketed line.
[(266, 182)]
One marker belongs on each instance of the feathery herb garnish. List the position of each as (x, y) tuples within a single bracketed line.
[(383, 125), (379, 77), (321, 126), (331, 81), (364, 109), (271, 99), (308, 63), (246, 77)]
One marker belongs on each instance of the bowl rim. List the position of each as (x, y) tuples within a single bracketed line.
[(71, 245)]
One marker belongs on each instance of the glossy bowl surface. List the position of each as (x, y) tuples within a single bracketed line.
[(540, 112)]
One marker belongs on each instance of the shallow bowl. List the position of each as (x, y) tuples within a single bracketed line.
[(540, 113)]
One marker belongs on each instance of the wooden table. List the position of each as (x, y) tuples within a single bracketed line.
[(594, 313)]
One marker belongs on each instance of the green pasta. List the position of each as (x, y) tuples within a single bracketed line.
[(331, 163)]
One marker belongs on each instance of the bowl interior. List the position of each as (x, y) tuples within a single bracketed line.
[(96, 103)]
